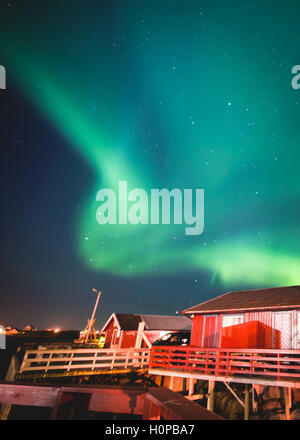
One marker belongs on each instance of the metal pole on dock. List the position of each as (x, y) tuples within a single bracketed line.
[(91, 321)]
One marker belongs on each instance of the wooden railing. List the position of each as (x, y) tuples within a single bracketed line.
[(279, 364), (81, 402), (84, 359)]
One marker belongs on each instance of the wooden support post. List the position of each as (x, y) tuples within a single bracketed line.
[(235, 395), (288, 402), (191, 386), (151, 412), (247, 401), (184, 384), (254, 401), (171, 385), (158, 380), (211, 395), (139, 336), (179, 384)]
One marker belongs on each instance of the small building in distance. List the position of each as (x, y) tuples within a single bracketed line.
[(10, 330), (29, 328), (262, 318), (124, 330)]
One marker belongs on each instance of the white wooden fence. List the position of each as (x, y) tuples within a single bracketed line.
[(84, 359)]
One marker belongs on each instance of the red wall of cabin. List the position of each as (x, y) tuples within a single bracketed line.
[(109, 333), (256, 331), (128, 339), (266, 318), (197, 328)]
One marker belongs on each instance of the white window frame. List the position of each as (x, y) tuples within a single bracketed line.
[(298, 324), (232, 315)]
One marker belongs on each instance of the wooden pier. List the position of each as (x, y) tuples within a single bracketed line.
[(181, 367), (251, 367)]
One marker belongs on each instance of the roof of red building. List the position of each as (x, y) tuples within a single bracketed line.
[(272, 298), (166, 322), (128, 321)]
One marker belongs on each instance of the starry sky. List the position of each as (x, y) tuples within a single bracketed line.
[(162, 94)]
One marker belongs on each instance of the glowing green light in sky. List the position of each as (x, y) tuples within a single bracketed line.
[(207, 107)]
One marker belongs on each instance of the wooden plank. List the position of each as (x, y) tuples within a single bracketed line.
[(73, 404), (196, 396), (247, 403), (125, 400), (211, 395), (75, 401), (255, 391), (235, 395), (268, 381), (287, 402), (32, 395), (173, 406), (79, 372), (44, 360), (120, 401)]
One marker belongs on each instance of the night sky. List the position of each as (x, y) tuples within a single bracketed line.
[(163, 94)]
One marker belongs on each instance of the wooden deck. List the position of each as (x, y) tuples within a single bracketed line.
[(259, 366), (252, 366), (69, 362)]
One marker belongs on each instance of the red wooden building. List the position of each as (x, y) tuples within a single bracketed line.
[(249, 337), (264, 318), (124, 330)]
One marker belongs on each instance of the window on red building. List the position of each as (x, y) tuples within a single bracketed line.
[(235, 319)]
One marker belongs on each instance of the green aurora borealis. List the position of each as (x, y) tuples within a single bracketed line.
[(166, 94)]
